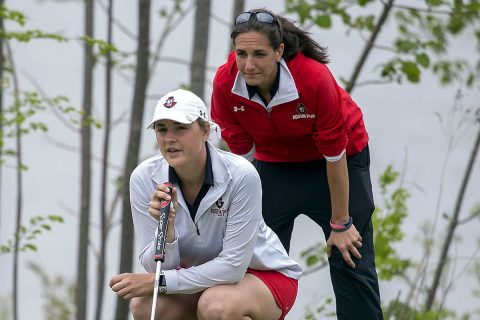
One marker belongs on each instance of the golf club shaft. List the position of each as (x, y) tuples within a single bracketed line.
[(155, 290), (160, 245)]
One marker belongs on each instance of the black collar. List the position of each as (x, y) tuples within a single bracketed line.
[(273, 90)]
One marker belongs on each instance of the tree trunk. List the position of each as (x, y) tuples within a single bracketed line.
[(200, 47), (82, 262), (1, 107), (18, 222), (19, 215), (369, 46), (106, 147), (132, 154), (451, 227), (238, 7)]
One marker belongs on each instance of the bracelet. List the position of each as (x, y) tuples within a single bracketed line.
[(341, 227)]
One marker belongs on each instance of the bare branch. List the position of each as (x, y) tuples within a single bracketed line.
[(75, 149), (182, 62), (384, 48), (369, 45), (120, 119), (118, 24), (169, 26), (113, 206), (220, 20), (374, 82), (50, 103), (473, 215), (426, 10), (314, 269), (453, 224)]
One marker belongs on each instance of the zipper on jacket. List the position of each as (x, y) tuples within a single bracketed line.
[(198, 231)]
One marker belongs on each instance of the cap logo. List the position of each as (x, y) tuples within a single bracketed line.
[(170, 102)]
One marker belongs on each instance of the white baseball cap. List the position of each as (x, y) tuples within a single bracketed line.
[(181, 106)]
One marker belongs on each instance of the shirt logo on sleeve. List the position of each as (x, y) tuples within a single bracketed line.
[(219, 210), (241, 108), (302, 113)]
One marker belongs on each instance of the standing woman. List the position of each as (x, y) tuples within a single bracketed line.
[(221, 260), (278, 105)]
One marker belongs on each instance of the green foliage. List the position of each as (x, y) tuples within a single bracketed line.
[(59, 295), (323, 21), (387, 221), (448, 70), (422, 35), (163, 12), (103, 46), (28, 35), (322, 311), (315, 255), (23, 112), (12, 15), (6, 307), (25, 35), (317, 11), (72, 114), (17, 121), (387, 224), (476, 274), (27, 235), (398, 310)]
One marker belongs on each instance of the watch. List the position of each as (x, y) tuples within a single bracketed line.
[(162, 283)]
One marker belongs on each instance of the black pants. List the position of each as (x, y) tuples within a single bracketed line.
[(291, 189)]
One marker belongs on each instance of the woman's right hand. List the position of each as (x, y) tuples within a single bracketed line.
[(154, 206)]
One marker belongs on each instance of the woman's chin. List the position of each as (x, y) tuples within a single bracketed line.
[(174, 160), (252, 81)]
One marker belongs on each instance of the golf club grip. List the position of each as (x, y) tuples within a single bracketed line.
[(162, 227)]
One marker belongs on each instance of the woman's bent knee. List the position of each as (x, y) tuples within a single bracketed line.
[(140, 308), (215, 305)]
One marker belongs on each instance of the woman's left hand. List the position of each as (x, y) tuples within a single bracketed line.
[(131, 285), (348, 242)]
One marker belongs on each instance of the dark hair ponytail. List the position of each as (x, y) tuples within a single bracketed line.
[(295, 39)]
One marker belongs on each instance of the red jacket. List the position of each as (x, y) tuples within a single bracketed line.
[(309, 117)]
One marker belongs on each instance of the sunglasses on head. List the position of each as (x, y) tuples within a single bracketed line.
[(263, 17)]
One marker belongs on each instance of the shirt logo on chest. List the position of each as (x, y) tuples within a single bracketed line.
[(219, 211), (302, 113), (237, 109)]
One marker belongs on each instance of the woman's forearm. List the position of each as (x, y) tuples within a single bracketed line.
[(337, 174)]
